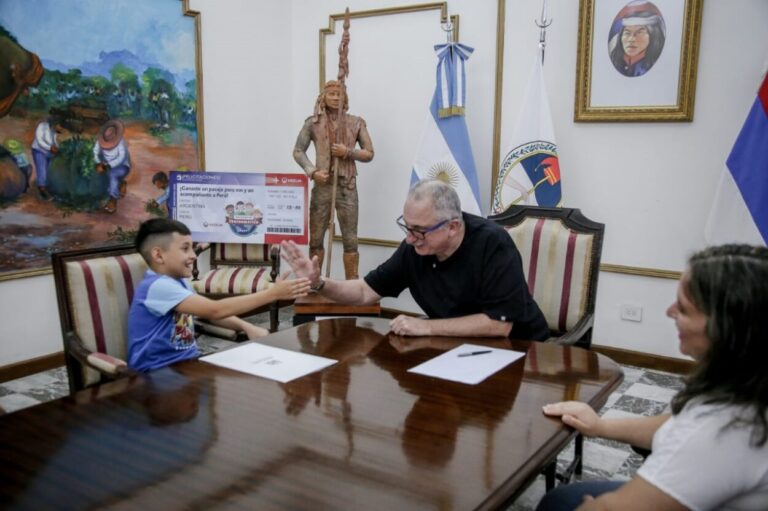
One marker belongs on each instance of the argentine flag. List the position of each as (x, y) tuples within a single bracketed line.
[(740, 209), (444, 151)]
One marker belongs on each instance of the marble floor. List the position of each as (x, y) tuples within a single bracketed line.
[(642, 393)]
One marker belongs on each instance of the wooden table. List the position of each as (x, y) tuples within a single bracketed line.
[(362, 434), (314, 306)]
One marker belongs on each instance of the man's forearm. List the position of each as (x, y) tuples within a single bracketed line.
[(474, 325), (350, 292)]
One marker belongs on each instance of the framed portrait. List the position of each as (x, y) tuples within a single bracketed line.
[(637, 60), (99, 102)]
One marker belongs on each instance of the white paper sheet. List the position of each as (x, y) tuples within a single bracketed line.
[(468, 363), (268, 362)]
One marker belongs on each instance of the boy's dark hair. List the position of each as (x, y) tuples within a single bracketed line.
[(157, 232), (161, 177)]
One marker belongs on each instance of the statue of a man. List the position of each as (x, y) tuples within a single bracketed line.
[(335, 135)]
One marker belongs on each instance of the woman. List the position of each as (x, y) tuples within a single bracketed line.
[(636, 38), (712, 451)]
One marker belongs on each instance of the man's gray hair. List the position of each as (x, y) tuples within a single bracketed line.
[(443, 197)]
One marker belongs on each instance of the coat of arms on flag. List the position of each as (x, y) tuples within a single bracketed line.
[(530, 172), (444, 151)]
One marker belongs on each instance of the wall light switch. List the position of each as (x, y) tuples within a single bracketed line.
[(631, 312)]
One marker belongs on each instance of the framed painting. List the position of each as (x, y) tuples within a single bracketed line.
[(99, 101), (637, 60)]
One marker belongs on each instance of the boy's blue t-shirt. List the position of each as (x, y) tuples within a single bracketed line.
[(158, 335)]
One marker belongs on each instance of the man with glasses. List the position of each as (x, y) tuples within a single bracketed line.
[(464, 271)]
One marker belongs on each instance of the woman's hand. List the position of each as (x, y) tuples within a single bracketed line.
[(577, 415)]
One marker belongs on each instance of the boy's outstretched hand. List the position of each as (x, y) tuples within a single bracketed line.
[(284, 289)]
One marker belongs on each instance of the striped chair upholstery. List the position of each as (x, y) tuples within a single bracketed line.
[(95, 288), (560, 249), (237, 269)]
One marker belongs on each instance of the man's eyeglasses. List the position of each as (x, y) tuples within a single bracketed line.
[(416, 232)]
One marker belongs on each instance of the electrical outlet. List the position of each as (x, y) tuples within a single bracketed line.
[(631, 312)]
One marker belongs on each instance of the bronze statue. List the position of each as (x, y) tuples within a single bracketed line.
[(335, 135)]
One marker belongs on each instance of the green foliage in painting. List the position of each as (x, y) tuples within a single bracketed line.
[(72, 177)]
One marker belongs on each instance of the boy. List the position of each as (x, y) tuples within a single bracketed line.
[(160, 327)]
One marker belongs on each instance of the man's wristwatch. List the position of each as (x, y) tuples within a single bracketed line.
[(317, 288)]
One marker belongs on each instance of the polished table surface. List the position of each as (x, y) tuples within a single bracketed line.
[(361, 434)]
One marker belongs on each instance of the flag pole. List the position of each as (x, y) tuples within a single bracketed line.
[(448, 29), (341, 78), (543, 23), (532, 141)]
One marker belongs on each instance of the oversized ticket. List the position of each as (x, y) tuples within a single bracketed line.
[(230, 207)]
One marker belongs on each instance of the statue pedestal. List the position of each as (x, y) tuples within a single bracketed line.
[(314, 306)]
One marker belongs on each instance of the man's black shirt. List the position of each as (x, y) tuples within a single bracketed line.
[(484, 275)]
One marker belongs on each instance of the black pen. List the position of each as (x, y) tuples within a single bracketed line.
[(473, 353)]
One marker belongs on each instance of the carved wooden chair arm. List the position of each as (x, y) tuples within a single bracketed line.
[(204, 327), (107, 365), (576, 335)]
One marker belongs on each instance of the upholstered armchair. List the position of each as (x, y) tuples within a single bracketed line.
[(561, 250), (237, 269), (94, 288)]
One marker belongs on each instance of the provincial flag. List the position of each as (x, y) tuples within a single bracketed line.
[(740, 208), (530, 172), (444, 150)]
